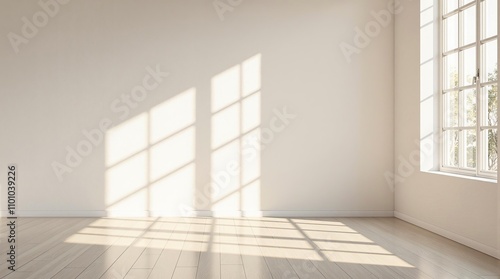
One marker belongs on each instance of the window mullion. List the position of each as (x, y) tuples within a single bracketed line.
[(461, 145), (442, 35), (479, 118), (462, 139)]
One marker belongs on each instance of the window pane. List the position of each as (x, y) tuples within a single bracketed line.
[(470, 148), (450, 5), (469, 26), (489, 12), (468, 70), (489, 60), (451, 71), (470, 108), (490, 93), (450, 100), (490, 153), (465, 2), (451, 29), (451, 148)]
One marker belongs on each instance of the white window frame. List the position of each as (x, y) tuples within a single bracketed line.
[(478, 170)]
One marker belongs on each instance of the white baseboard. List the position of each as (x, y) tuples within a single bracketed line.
[(203, 213), (328, 213), (295, 213), (56, 213), (451, 235)]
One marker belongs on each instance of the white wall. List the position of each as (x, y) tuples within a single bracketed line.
[(459, 208), (329, 160)]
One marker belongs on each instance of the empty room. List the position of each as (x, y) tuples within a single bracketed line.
[(228, 139)]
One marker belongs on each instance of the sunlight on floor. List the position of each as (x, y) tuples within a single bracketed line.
[(300, 239)]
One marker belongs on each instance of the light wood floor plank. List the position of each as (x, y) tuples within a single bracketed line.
[(89, 256), (230, 271), (125, 262), (317, 257), (253, 248), (454, 268), (294, 245), (183, 272), (51, 267), (138, 273), (191, 249), (472, 260), (44, 239), (276, 261), (167, 262), (209, 265), (421, 264), (230, 250), (97, 268), (159, 237), (253, 261), (68, 272)]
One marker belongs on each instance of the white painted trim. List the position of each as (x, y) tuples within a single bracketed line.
[(56, 213), (328, 213), (451, 235), (204, 213), (297, 213)]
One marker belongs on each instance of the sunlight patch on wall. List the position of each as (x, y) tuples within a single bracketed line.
[(173, 191), (173, 115), (235, 162), (250, 113), (250, 197), (226, 125), (228, 185), (172, 153), (226, 88), (150, 159), (125, 184), (126, 139), (251, 75)]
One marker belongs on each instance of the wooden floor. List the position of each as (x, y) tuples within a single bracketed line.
[(237, 248)]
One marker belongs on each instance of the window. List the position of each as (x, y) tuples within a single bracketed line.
[(469, 87)]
